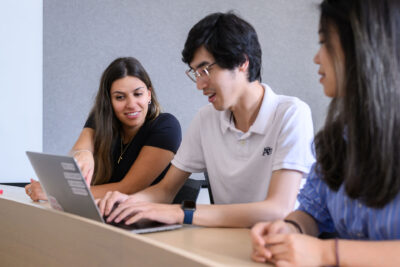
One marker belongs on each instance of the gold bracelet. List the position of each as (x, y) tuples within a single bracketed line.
[(80, 150)]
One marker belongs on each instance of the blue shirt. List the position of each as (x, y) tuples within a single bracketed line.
[(349, 218)]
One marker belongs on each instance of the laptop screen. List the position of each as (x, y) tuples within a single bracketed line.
[(67, 190)]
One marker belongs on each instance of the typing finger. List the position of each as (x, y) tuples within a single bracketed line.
[(124, 212), (102, 203), (133, 217), (115, 197)]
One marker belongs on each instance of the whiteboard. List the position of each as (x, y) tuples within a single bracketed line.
[(21, 76)]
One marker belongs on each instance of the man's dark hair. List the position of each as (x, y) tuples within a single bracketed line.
[(230, 40)]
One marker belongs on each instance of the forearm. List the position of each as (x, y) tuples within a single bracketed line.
[(368, 253), (166, 189), (238, 215), (360, 253), (99, 191), (139, 189), (154, 194), (279, 202)]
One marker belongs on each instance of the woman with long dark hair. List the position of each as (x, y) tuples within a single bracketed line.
[(127, 143), (353, 190)]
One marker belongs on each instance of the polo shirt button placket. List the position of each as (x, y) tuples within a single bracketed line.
[(243, 148)]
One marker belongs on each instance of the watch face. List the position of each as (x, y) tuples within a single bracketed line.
[(188, 204)]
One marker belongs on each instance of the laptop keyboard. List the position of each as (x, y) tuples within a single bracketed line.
[(138, 225)]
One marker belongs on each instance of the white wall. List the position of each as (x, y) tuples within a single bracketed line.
[(21, 99), (82, 37)]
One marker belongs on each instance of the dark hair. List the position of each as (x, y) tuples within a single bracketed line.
[(230, 40), (358, 145), (108, 127)]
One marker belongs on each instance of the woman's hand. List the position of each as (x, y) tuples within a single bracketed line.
[(279, 242), (300, 250), (85, 161), (260, 231), (34, 191)]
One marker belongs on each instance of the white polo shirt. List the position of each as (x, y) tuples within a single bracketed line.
[(240, 164)]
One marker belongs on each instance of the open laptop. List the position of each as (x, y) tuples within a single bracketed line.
[(67, 191)]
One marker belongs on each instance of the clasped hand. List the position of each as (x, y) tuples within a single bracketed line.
[(279, 243)]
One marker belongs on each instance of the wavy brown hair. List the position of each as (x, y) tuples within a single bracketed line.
[(358, 145), (107, 125)]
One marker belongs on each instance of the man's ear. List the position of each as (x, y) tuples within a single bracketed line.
[(245, 65)]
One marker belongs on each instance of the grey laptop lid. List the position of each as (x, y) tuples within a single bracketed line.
[(67, 191)]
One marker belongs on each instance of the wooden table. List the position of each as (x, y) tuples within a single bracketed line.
[(32, 234)]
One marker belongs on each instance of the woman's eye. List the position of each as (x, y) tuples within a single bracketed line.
[(119, 97), (138, 94)]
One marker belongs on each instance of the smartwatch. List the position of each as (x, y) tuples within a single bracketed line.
[(188, 207)]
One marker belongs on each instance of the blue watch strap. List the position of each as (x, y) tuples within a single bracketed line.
[(188, 216), (188, 207)]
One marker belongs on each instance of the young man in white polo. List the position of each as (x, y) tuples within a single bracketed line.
[(254, 144)]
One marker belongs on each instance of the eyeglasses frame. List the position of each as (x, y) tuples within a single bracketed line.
[(195, 74)]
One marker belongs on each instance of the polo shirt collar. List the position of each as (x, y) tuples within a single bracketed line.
[(267, 111), (226, 120), (264, 116)]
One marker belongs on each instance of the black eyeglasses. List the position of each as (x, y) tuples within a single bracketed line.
[(200, 72)]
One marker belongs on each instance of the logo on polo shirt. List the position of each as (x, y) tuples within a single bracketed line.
[(267, 151)]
